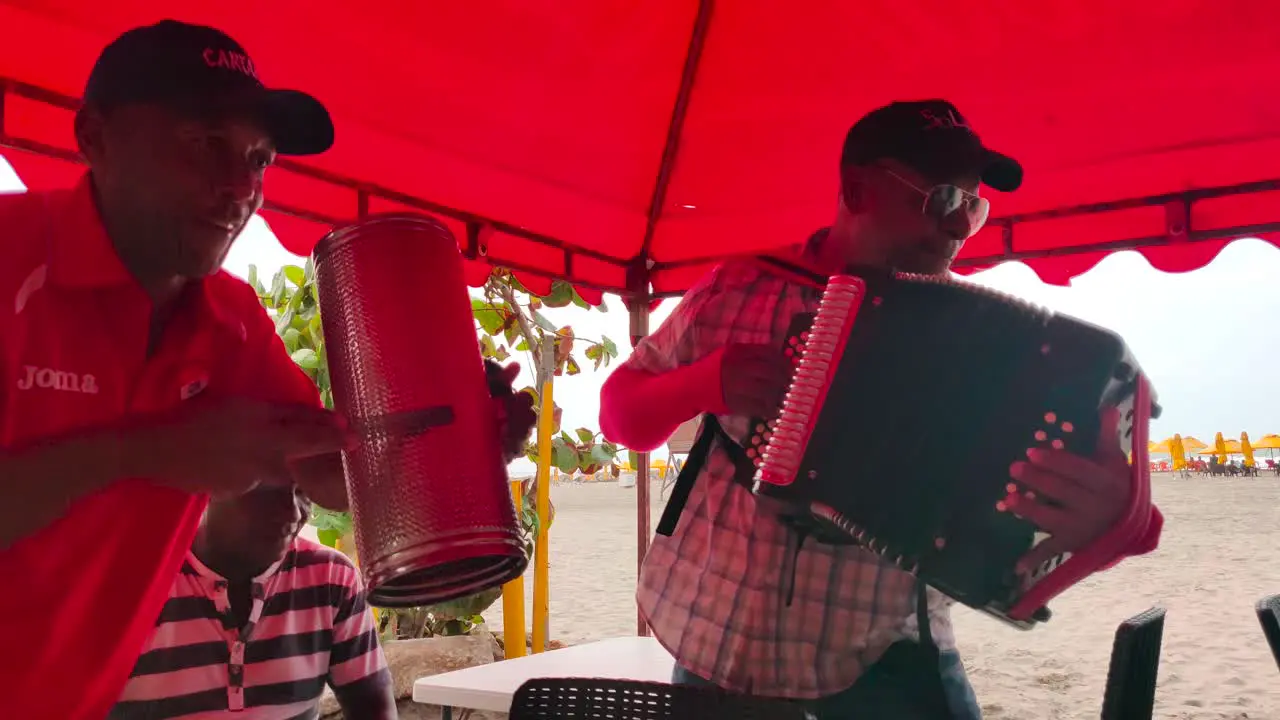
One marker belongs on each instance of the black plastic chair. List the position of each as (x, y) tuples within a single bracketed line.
[(548, 698), (1135, 664), (1268, 609)]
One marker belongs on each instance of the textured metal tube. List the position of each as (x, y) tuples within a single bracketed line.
[(434, 520)]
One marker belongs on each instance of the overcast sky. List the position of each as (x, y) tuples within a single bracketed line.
[(1207, 338)]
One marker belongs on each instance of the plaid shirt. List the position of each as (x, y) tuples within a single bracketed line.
[(714, 592)]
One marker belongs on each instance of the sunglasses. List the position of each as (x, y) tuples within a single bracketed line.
[(942, 200)]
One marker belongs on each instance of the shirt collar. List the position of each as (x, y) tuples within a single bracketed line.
[(82, 255), (261, 578)]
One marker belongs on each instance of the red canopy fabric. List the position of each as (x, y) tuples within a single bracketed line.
[(542, 133)]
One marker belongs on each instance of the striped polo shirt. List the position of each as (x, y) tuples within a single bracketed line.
[(308, 627)]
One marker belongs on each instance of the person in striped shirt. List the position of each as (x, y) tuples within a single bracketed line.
[(258, 622), (741, 601)]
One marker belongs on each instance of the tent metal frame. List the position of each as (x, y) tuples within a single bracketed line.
[(1178, 206)]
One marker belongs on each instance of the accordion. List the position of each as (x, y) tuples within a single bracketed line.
[(910, 398)]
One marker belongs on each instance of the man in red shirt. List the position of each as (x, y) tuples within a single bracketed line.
[(136, 377)]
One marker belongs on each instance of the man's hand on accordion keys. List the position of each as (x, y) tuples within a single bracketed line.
[(516, 417), (1072, 498), (754, 379)]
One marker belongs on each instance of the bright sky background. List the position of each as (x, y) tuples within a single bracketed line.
[(1206, 338)]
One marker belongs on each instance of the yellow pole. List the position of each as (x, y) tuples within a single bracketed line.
[(513, 635), (541, 607)]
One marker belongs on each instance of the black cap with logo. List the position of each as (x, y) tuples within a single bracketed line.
[(195, 67), (932, 137)]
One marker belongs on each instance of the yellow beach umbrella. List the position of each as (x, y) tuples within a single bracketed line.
[(1165, 446), (1190, 444), (1220, 449), (1267, 442), (1246, 449), (1232, 446), (1177, 453), (1270, 443)]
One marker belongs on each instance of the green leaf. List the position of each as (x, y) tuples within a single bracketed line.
[(328, 537), (577, 299), (294, 301), (609, 347), (601, 456), (295, 274), (511, 332), (566, 438), (522, 346), (324, 519), (565, 458), (284, 321), (487, 348), (253, 277), (585, 436), (501, 353), (489, 317), (561, 294), (292, 340), (309, 269), (306, 358), (277, 289), (571, 367), (541, 321), (633, 459)]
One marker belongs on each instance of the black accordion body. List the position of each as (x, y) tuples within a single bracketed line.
[(910, 398)]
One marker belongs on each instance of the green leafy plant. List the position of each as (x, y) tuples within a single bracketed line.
[(511, 320), (508, 321)]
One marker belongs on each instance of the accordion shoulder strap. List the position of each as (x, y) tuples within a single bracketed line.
[(711, 431), (792, 268), (922, 614)]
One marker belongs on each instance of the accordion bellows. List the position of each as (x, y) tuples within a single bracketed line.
[(911, 397), (434, 520)]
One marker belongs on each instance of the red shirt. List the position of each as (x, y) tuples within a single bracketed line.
[(82, 595)]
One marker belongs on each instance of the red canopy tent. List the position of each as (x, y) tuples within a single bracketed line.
[(625, 146)]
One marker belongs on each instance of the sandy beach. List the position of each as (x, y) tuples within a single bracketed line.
[(1215, 561)]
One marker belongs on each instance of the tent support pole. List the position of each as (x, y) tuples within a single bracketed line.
[(638, 272), (639, 330)]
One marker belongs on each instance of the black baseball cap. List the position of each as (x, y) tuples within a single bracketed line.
[(195, 67), (932, 137)]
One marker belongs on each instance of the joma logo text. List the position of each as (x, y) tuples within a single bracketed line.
[(50, 379)]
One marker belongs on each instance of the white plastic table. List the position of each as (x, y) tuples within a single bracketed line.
[(491, 687)]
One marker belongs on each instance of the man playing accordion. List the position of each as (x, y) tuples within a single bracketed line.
[(731, 593)]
